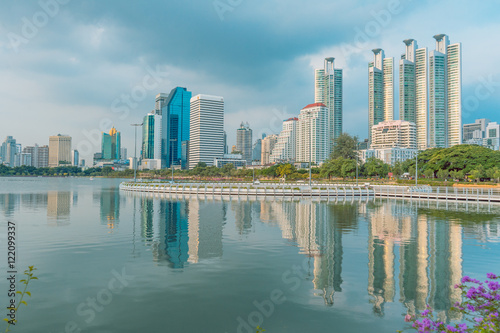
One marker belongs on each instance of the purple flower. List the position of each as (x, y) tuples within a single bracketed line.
[(491, 276)]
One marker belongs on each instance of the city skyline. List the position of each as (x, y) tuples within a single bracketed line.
[(83, 77)]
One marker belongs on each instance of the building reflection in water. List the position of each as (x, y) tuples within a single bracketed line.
[(317, 229), (109, 200), (58, 207), (182, 231), (430, 259), (8, 203)]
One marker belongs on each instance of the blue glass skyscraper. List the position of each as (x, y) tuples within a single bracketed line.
[(175, 129)]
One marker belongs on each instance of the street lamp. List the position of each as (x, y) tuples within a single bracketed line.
[(135, 150), (172, 159), (357, 157), (310, 155), (416, 168)]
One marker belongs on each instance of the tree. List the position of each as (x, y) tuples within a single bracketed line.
[(375, 167), (283, 170), (442, 174), (397, 170), (428, 173), (348, 168), (345, 146)]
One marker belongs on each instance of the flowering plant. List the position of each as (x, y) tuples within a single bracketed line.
[(480, 305)]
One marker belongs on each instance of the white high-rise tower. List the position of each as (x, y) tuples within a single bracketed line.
[(207, 129), (380, 89), (328, 90)]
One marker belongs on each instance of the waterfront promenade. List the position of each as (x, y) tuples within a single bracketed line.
[(301, 190)]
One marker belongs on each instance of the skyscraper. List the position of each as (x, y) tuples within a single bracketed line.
[(151, 136), (39, 155), (413, 89), (59, 150), (445, 93), (244, 141), (328, 90), (312, 129), (75, 157), (111, 145), (285, 148), (175, 124), (207, 129), (268, 144), (8, 151), (257, 150), (380, 89)]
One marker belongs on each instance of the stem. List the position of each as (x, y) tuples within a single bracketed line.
[(19, 304)]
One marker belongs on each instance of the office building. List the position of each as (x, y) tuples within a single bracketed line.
[(160, 102), (151, 137), (123, 154), (445, 93), (9, 151), (175, 125), (267, 148), (111, 145), (59, 150), (39, 155), (492, 137), (25, 159), (206, 129), (285, 148), (226, 149), (75, 157), (257, 150), (475, 133), (235, 159), (388, 155), (328, 91), (312, 134), (396, 133), (244, 141), (380, 89)]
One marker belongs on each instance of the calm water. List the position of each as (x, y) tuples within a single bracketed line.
[(119, 262)]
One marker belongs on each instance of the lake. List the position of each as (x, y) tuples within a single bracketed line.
[(111, 261)]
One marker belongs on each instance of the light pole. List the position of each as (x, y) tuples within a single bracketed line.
[(135, 150), (357, 156), (416, 168), (172, 159), (310, 155)]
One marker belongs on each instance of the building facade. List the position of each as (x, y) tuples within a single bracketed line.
[(176, 110), (285, 149), (312, 134), (244, 141), (396, 133), (111, 145), (59, 150), (207, 129), (445, 93), (268, 144), (8, 151), (151, 136), (328, 91), (380, 89)]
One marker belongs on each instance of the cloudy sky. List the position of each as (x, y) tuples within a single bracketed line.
[(78, 67)]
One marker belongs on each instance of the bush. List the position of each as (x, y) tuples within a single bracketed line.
[(480, 306)]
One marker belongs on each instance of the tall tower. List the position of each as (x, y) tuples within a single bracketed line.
[(111, 145), (407, 82), (438, 93), (380, 90), (244, 142), (413, 89), (207, 129), (175, 125), (59, 150), (328, 90), (454, 64)]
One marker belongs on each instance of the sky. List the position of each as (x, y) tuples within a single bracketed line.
[(80, 67)]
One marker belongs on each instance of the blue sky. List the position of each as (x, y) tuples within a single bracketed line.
[(78, 67)]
